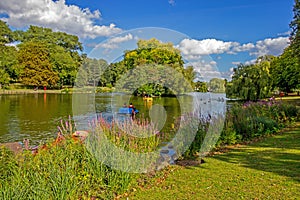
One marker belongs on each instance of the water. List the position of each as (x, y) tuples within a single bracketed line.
[(36, 116)]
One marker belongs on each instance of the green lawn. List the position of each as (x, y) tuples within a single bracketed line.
[(268, 169)]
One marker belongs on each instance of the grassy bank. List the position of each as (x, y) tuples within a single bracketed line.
[(268, 169)]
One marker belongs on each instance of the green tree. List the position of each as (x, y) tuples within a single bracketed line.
[(34, 59), (63, 50), (295, 34), (285, 70), (154, 53), (200, 86), (6, 34), (9, 62), (7, 55), (92, 72), (251, 82), (216, 85)]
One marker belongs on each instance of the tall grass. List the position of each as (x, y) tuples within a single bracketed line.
[(256, 119), (243, 122), (67, 169)]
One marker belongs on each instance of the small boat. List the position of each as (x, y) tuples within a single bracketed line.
[(147, 98), (127, 111)]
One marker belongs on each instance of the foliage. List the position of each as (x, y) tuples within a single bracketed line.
[(285, 71), (216, 85), (66, 169), (34, 59), (6, 35), (251, 82), (62, 49), (154, 53), (7, 55), (153, 80), (200, 86), (8, 62), (47, 36), (91, 72), (295, 34), (255, 119), (4, 78), (243, 122)]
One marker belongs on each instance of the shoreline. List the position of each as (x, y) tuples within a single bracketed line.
[(49, 91)]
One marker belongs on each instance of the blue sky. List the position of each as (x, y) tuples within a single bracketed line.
[(220, 34)]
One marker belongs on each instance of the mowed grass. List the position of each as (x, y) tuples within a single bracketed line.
[(267, 169)]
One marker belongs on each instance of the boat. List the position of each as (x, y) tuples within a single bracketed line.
[(127, 111), (147, 98)]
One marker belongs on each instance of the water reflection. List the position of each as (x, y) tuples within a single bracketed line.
[(36, 116)]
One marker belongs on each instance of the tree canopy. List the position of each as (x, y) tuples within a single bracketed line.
[(59, 51), (251, 82), (285, 71), (295, 34), (151, 53), (34, 59)]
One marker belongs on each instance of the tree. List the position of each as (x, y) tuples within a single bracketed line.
[(8, 62), (6, 35), (295, 34), (7, 55), (251, 82), (201, 86), (34, 58), (64, 64), (216, 85), (154, 53), (91, 72), (63, 50), (285, 71)]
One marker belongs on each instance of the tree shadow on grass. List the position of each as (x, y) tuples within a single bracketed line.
[(279, 154)]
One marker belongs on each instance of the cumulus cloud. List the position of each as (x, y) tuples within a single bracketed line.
[(205, 69), (250, 62), (270, 46), (193, 49), (113, 42), (205, 47), (244, 47), (56, 15)]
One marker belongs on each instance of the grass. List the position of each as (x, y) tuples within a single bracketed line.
[(267, 169)]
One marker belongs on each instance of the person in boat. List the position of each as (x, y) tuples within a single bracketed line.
[(132, 109)]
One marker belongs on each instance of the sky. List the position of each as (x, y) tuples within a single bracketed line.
[(213, 36)]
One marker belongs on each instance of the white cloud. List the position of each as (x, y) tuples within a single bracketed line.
[(236, 63), (250, 62), (205, 69), (194, 47), (244, 47), (171, 2), (56, 15), (228, 74), (270, 46), (121, 39), (113, 42), (287, 33)]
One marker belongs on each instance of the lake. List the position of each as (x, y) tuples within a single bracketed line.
[(36, 116)]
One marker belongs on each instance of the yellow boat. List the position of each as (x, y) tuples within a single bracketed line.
[(147, 98)]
